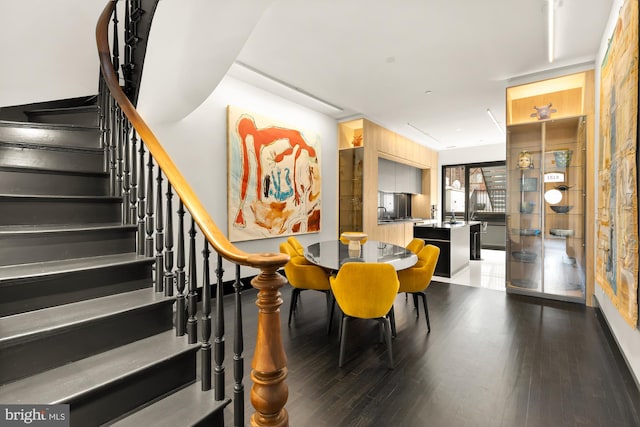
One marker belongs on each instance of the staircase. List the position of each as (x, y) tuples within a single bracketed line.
[(80, 322), (495, 179)]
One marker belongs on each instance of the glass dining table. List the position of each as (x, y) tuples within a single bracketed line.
[(333, 254)]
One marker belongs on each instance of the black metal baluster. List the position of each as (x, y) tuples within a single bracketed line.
[(205, 348), (113, 135), (159, 235), (106, 133), (113, 120), (141, 200), (168, 246), (149, 225), (126, 173), (116, 45), (128, 65), (238, 359), (118, 143), (218, 373), (133, 213), (181, 278), (102, 107), (192, 322)]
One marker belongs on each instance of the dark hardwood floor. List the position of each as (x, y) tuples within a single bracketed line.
[(491, 359)]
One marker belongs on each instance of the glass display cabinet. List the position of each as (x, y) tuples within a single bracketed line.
[(350, 170), (546, 199)]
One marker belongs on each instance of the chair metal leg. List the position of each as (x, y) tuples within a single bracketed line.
[(392, 318), (343, 341), (387, 327), (426, 310), (331, 304), (415, 304), (294, 301)]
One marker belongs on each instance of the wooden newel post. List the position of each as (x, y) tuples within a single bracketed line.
[(269, 392)]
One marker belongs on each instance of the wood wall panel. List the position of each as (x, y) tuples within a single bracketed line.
[(381, 142)]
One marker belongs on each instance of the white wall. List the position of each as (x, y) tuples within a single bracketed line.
[(479, 154), (198, 146), (48, 50), (628, 338), (189, 51)]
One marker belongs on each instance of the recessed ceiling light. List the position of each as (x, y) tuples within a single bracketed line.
[(458, 130), (428, 92), (451, 146)]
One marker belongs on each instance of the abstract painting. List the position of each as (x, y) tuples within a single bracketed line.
[(617, 213), (273, 178)]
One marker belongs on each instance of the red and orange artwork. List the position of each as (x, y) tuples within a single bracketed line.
[(274, 178)]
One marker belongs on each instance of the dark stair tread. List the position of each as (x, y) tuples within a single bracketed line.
[(50, 147), (41, 170), (26, 271), (55, 228), (55, 126), (73, 379), (70, 110), (60, 198), (48, 321), (187, 406)]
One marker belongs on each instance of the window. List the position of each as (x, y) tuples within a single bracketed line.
[(474, 191)]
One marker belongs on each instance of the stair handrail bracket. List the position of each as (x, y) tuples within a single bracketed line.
[(269, 392)]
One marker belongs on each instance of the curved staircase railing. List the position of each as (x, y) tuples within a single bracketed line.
[(125, 138)]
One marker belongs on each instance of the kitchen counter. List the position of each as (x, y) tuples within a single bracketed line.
[(417, 221), (447, 224), (453, 239)]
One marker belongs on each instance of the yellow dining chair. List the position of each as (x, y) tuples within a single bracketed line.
[(415, 245), (365, 291), (297, 246), (416, 280), (302, 275)]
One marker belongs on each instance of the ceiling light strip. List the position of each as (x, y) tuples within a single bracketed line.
[(424, 133), (288, 86), (495, 122)]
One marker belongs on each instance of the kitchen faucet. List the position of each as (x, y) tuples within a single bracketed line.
[(384, 211)]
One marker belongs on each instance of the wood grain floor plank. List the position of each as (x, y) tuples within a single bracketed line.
[(491, 359)]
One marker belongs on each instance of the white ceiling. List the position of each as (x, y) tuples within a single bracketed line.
[(376, 59)]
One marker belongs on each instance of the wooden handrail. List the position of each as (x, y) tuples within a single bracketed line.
[(269, 392), (191, 202)]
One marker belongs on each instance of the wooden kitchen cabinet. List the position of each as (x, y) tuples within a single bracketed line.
[(375, 142)]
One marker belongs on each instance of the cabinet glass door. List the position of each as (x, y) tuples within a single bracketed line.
[(524, 216), (350, 169), (564, 208), (546, 207)]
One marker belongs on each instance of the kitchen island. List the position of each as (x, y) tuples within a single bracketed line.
[(453, 239)]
